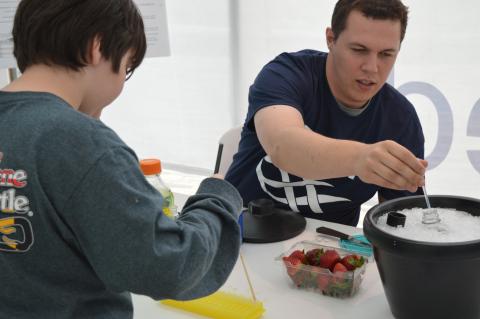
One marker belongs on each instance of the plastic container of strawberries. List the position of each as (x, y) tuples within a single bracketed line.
[(336, 281)]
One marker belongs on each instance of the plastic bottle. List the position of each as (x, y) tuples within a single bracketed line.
[(152, 168)]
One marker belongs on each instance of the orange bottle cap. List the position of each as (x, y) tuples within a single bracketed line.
[(151, 166)]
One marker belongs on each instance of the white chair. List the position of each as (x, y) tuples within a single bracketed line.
[(227, 147)]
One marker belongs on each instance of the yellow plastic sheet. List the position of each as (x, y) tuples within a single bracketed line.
[(221, 305)]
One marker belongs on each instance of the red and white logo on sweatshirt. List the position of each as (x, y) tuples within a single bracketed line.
[(16, 234)]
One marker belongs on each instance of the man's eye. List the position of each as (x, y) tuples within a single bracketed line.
[(358, 50)]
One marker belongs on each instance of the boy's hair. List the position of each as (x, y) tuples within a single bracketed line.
[(61, 32), (376, 9)]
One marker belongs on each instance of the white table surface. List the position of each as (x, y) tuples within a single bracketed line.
[(280, 297)]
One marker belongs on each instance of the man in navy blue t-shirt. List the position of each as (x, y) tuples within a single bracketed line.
[(324, 132)]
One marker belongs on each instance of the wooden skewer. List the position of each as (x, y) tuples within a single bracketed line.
[(248, 278)]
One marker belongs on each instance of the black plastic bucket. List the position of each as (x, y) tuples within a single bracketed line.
[(424, 279)]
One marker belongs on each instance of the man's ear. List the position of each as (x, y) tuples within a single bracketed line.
[(94, 53), (330, 37)]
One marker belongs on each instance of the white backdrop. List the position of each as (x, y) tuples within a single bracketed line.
[(177, 107)]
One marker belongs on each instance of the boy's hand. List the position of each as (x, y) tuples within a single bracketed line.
[(219, 176), (389, 164)]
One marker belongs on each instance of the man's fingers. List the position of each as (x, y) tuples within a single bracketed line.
[(399, 174), (393, 178), (424, 163), (390, 165), (404, 155), (379, 180)]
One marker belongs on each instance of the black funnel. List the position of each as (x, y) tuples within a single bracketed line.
[(265, 223)]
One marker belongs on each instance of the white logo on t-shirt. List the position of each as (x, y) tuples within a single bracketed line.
[(312, 198)]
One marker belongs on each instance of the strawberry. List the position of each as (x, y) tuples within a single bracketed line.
[(328, 259), (313, 256), (323, 279), (352, 261), (295, 270), (293, 265), (298, 254), (301, 277), (339, 267), (339, 271)]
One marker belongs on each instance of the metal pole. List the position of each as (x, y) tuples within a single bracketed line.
[(12, 74), (235, 58)]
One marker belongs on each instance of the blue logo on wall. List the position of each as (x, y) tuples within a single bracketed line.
[(445, 121)]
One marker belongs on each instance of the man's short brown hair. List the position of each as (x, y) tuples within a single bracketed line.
[(376, 9)]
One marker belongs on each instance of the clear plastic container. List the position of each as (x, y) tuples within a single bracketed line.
[(152, 168), (339, 283)]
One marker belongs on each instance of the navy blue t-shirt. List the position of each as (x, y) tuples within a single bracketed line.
[(299, 80)]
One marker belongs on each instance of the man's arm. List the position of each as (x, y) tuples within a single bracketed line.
[(297, 150)]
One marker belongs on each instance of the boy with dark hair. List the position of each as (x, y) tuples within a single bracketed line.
[(324, 132), (80, 227)]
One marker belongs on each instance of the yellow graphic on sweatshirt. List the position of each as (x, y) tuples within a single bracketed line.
[(16, 234)]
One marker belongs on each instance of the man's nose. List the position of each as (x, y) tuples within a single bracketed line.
[(370, 63)]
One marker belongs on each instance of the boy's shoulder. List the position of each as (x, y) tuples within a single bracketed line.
[(54, 120)]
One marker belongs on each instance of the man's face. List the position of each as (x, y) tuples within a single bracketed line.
[(361, 58)]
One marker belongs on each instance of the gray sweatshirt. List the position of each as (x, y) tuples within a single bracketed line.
[(80, 227)]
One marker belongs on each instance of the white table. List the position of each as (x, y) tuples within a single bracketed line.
[(278, 294)]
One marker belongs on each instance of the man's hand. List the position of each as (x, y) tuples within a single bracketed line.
[(389, 164), (219, 176)]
